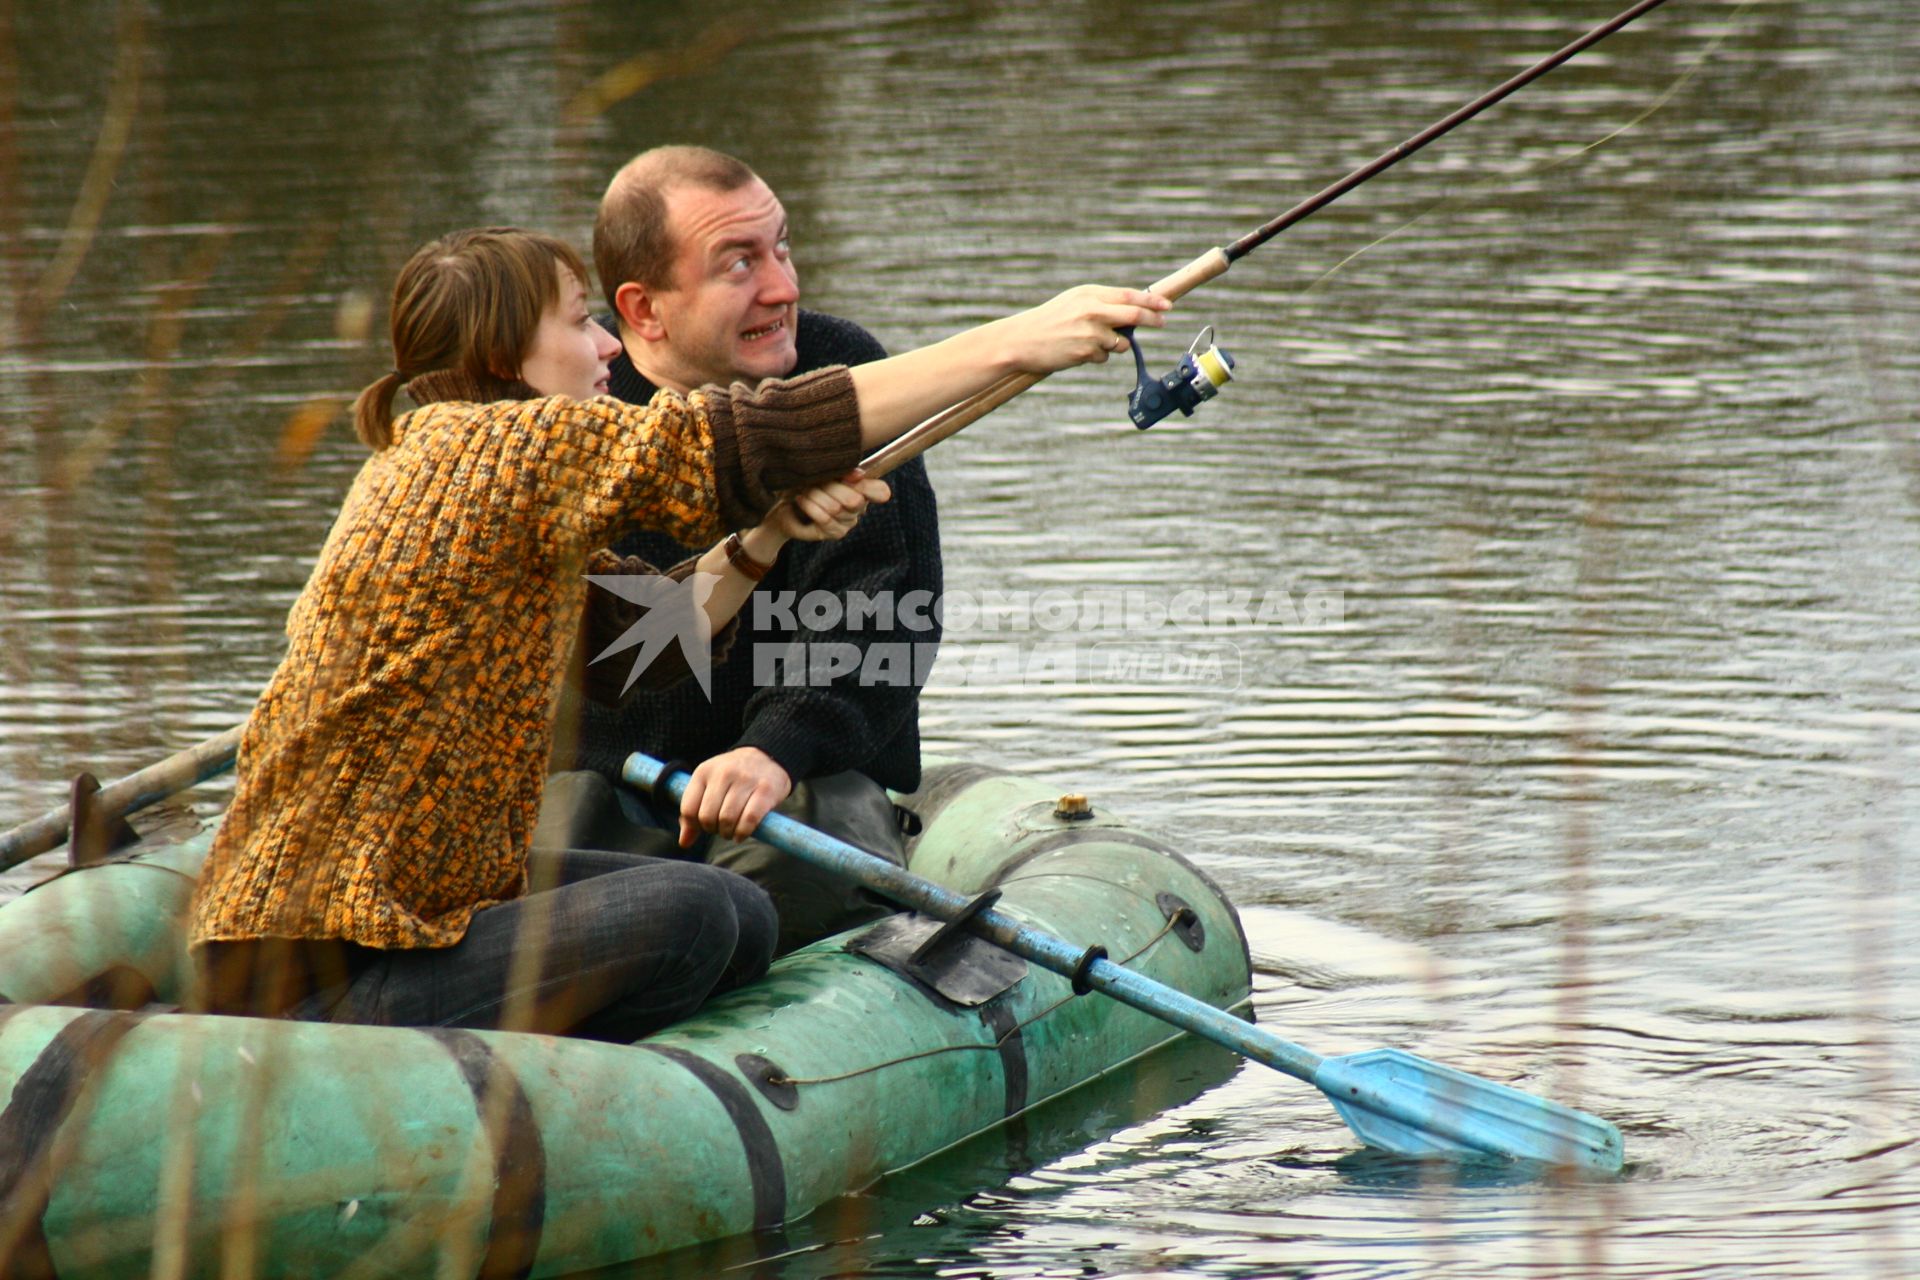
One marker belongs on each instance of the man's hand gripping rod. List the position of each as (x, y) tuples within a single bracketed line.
[(918, 440)]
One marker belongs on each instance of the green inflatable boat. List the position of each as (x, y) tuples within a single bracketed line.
[(137, 1141)]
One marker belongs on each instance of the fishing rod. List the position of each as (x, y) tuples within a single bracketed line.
[(1201, 373)]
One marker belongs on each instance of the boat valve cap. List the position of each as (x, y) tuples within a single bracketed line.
[(1073, 807)]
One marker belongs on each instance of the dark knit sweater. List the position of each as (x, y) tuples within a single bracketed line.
[(809, 730)]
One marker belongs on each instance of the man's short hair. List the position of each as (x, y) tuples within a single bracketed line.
[(630, 236)]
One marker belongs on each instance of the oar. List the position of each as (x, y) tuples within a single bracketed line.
[(1392, 1099), (1214, 262), (129, 795)]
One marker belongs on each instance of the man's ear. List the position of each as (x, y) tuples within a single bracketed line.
[(634, 304)]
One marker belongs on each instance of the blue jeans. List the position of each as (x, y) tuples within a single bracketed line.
[(619, 946)]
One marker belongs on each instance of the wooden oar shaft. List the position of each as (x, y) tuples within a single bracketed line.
[(129, 795), (918, 440)]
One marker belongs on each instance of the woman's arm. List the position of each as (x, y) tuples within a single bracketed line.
[(826, 512), (591, 466), (822, 513)]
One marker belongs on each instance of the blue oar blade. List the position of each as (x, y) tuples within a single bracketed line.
[(1401, 1102)]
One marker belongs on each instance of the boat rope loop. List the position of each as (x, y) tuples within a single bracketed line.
[(1547, 166), (993, 1045)]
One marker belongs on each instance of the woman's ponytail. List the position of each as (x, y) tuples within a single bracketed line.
[(373, 411), (466, 303)]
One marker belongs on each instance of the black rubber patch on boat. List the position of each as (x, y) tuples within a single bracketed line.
[(43, 1098), (765, 1075), (1012, 1044), (1186, 922), (764, 1166), (519, 1156), (965, 972)]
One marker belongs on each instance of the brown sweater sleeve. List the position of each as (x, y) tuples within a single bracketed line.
[(690, 467), (779, 436)]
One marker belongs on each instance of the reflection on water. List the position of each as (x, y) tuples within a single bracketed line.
[(1598, 781)]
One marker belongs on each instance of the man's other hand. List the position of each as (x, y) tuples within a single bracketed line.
[(730, 793)]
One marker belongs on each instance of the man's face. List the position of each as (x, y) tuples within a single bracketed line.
[(734, 297)]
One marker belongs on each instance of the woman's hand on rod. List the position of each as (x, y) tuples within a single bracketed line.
[(826, 512)]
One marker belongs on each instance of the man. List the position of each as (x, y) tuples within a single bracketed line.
[(692, 250)]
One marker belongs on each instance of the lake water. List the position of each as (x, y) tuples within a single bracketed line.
[(1556, 712)]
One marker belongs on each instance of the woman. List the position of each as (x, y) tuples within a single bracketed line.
[(373, 864)]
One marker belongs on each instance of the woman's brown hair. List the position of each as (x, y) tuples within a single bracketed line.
[(468, 302)]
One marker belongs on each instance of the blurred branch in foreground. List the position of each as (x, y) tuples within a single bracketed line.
[(622, 81), (96, 188), (164, 334)]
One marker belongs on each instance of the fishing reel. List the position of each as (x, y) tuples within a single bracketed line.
[(1199, 376)]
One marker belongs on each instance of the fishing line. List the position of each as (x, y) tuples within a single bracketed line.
[(1487, 184)]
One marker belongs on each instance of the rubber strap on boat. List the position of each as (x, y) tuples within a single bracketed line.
[(1012, 1045), (764, 1166), (116, 987), (1080, 984), (519, 1212), (43, 1099)]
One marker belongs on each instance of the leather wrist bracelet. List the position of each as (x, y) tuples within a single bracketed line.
[(737, 557)]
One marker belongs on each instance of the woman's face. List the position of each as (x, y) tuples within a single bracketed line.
[(570, 350)]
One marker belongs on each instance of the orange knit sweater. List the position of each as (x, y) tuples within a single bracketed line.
[(390, 775)]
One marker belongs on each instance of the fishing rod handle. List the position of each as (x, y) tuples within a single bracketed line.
[(917, 440), (1212, 263)]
